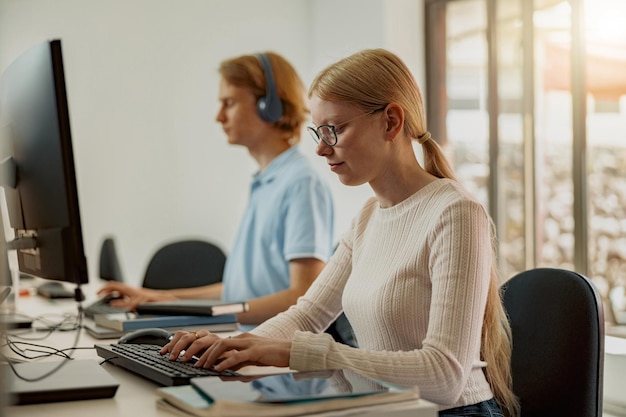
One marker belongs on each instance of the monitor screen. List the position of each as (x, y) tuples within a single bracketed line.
[(37, 168)]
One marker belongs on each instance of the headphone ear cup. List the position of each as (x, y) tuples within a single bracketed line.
[(265, 112), (269, 107)]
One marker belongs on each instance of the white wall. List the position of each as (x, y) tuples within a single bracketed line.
[(152, 163)]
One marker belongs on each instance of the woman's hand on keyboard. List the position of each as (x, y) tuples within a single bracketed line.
[(228, 353)]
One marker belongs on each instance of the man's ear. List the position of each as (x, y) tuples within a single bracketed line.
[(394, 116)]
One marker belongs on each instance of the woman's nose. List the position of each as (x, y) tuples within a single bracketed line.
[(322, 149)]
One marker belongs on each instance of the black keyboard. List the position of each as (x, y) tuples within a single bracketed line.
[(146, 361)]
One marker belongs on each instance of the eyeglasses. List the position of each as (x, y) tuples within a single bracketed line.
[(328, 133)]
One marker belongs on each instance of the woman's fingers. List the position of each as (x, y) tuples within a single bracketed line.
[(197, 343), (117, 287), (234, 353), (180, 341), (190, 342), (227, 353)]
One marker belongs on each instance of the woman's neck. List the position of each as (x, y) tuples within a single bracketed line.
[(403, 177)]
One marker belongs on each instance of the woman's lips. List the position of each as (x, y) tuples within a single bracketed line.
[(334, 166)]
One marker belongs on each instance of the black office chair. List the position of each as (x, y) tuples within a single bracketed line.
[(185, 264), (341, 331), (558, 343), (109, 263)]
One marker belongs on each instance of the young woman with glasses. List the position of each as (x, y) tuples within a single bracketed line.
[(415, 273)]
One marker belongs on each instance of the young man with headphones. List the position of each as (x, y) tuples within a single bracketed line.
[(285, 237)]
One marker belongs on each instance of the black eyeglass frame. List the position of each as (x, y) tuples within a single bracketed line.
[(317, 137)]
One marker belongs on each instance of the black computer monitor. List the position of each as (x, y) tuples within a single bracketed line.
[(37, 168)]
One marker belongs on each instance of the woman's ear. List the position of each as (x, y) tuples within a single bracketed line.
[(394, 116)]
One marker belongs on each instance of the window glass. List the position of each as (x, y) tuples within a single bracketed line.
[(510, 193), (550, 169), (553, 136), (606, 142), (466, 85)]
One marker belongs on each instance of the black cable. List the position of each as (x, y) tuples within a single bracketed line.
[(78, 328), (108, 360), (15, 347), (69, 322)]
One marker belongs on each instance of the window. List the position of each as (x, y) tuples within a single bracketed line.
[(531, 109)]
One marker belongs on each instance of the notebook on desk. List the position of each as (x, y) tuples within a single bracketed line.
[(126, 322), (75, 380), (99, 332), (281, 395), (195, 307)]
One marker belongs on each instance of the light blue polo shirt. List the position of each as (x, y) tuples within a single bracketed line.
[(290, 215)]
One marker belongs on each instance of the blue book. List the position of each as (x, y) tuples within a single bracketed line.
[(193, 307), (126, 322)]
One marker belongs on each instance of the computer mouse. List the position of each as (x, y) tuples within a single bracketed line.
[(110, 297), (54, 289), (153, 336)]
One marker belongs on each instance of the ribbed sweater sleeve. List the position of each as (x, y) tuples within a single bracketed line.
[(412, 280)]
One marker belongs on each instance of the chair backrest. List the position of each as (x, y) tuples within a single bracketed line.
[(185, 264), (109, 263), (558, 343), (341, 331)]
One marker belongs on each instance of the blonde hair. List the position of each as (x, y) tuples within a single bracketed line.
[(246, 71), (371, 79)]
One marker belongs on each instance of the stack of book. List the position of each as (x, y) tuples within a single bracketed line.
[(281, 395), (213, 315)]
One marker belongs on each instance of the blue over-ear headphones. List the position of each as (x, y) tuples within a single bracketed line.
[(270, 107)]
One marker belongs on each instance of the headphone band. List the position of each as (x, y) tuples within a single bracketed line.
[(269, 107)]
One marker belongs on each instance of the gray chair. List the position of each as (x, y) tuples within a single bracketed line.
[(185, 264), (558, 343), (109, 264)]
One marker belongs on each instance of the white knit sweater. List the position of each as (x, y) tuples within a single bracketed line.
[(412, 280)]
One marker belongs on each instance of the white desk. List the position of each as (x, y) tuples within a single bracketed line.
[(135, 395)]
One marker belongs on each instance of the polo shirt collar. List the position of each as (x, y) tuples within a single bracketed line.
[(274, 168)]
